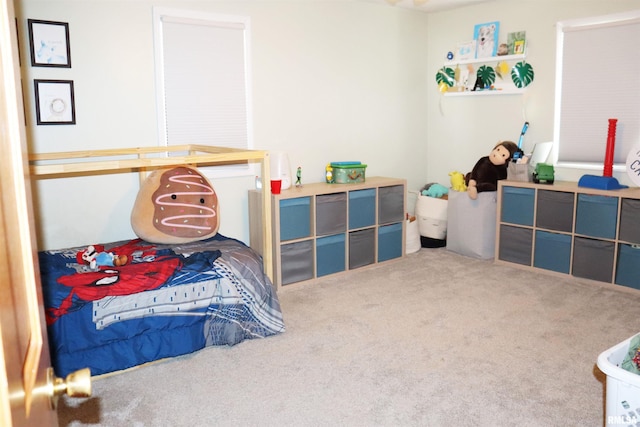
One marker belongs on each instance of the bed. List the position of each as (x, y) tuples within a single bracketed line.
[(168, 299)]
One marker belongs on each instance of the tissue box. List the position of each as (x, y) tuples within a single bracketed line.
[(348, 173)]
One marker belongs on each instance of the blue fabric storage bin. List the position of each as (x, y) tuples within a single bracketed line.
[(330, 254), (553, 251), (295, 218), (627, 272), (362, 208), (517, 205), (596, 216), (389, 242)]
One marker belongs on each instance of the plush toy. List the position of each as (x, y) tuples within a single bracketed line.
[(457, 181), (96, 257), (434, 190), (489, 169), (176, 205)]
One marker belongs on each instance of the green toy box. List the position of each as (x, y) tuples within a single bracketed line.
[(348, 172)]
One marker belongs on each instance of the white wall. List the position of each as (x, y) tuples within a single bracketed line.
[(331, 81), (463, 129)]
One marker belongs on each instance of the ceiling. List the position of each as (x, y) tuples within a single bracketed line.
[(429, 5)]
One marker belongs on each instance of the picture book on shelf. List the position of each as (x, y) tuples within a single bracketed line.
[(516, 42)]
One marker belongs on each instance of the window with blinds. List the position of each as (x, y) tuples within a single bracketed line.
[(597, 79), (202, 75)]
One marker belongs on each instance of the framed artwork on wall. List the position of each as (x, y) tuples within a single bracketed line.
[(466, 50), (49, 43), (486, 37), (55, 104)]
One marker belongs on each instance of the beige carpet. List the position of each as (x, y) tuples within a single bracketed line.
[(434, 339)]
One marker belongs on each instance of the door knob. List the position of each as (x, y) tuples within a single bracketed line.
[(76, 384)]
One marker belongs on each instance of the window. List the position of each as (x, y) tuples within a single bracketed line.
[(202, 76), (597, 79)]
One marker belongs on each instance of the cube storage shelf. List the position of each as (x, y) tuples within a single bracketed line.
[(584, 232), (321, 229)]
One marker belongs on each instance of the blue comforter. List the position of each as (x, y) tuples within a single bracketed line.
[(166, 301)]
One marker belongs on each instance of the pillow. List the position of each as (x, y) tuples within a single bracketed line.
[(177, 205)]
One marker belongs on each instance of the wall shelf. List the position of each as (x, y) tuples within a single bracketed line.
[(507, 58), (506, 85), (487, 92)]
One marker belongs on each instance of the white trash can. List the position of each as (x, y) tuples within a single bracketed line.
[(412, 238), (623, 387)]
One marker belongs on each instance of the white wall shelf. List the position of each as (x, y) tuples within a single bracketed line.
[(487, 92), (491, 59), (508, 89)]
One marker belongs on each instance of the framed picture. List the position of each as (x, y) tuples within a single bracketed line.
[(486, 37), (49, 42), (466, 50), (55, 103)]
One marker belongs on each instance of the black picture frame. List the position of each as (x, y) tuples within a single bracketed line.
[(49, 43), (55, 102)]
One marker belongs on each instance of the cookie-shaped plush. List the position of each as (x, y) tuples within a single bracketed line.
[(177, 205)]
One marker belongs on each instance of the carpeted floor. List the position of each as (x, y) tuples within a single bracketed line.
[(433, 339)]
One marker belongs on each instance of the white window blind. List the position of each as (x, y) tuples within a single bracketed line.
[(598, 61), (203, 82)]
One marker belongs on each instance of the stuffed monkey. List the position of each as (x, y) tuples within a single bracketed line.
[(489, 169)]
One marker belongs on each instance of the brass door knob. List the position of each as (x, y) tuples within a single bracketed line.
[(76, 384)]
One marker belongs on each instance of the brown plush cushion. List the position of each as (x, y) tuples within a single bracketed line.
[(177, 205)]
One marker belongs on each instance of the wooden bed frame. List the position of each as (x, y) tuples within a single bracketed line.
[(146, 159)]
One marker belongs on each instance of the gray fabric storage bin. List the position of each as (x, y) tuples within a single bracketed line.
[(593, 259), (630, 221), (555, 210), (391, 204), (331, 214), (362, 248), (297, 261), (471, 224), (515, 244)]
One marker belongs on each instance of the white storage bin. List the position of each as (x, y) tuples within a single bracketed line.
[(431, 213), (623, 387)]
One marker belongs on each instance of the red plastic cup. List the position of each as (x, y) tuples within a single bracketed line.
[(276, 186)]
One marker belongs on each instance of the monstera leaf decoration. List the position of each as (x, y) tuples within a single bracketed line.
[(446, 75), (522, 74), (487, 74)]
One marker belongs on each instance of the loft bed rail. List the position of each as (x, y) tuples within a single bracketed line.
[(142, 159), (71, 162)]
